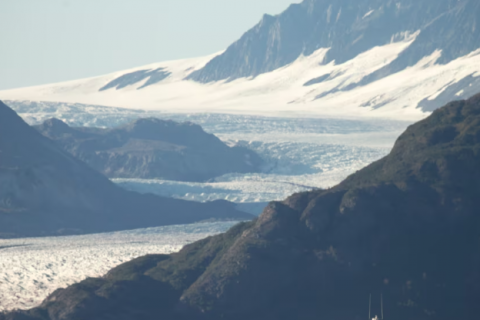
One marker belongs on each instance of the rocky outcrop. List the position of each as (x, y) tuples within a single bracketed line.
[(152, 149), (348, 28), (46, 191), (406, 228)]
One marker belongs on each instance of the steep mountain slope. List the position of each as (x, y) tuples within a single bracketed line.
[(44, 190), (152, 149), (361, 58), (348, 28), (406, 228)]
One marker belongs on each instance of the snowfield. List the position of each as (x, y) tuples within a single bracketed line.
[(223, 125), (306, 87), (32, 268)]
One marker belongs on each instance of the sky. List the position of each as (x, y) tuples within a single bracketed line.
[(47, 41)]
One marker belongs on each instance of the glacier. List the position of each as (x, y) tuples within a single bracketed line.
[(32, 268), (314, 121), (292, 167), (300, 154)]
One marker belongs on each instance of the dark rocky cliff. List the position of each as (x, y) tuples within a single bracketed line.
[(152, 149), (406, 227), (44, 191)]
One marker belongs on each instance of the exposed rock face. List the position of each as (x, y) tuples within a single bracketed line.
[(44, 190), (152, 148), (154, 76), (350, 27), (407, 227)]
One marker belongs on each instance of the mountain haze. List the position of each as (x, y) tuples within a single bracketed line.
[(152, 149), (46, 191), (405, 228)]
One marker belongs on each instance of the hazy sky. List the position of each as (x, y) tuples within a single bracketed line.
[(44, 41)]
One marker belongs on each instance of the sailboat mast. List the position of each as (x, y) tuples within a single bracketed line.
[(381, 301), (370, 308)]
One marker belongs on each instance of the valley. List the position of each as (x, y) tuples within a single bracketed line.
[(328, 154), (299, 154)]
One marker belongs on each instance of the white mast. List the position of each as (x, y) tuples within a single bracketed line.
[(381, 301), (370, 308)]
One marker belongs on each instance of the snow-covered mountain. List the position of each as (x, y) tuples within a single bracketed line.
[(348, 58)]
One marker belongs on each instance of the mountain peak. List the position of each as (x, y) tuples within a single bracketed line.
[(185, 133), (16, 137), (54, 127), (348, 28), (7, 116), (151, 148)]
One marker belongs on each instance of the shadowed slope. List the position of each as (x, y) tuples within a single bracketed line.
[(152, 149), (348, 28), (44, 190)]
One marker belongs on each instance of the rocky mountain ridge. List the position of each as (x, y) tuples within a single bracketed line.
[(349, 28), (151, 148)]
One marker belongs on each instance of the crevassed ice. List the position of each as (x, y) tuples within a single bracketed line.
[(300, 154), (32, 268)]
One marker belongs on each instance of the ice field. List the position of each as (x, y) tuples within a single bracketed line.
[(300, 154), (409, 94), (32, 268), (290, 168)]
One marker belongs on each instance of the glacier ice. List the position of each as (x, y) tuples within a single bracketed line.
[(291, 168), (32, 268), (300, 154)]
